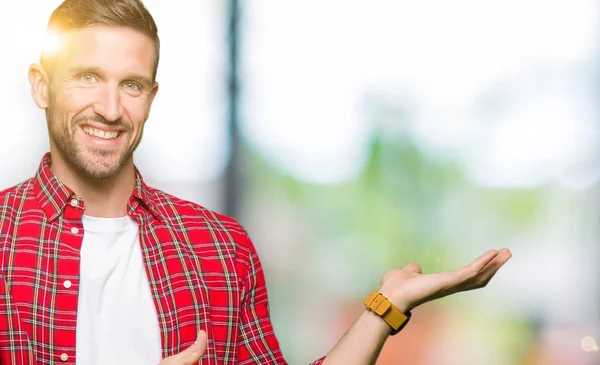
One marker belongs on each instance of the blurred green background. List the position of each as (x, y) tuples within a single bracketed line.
[(367, 135)]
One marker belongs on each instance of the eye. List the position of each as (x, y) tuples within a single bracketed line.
[(133, 87), (88, 78)]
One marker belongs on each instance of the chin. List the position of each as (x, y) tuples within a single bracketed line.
[(100, 175), (100, 167)]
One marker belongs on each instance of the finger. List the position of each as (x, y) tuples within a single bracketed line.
[(493, 266), (471, 276), (476, 266), (193, 353), (483, 277)]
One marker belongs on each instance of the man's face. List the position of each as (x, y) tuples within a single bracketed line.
[(99, 97)]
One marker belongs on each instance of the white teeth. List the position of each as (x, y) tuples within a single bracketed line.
[(100, 134)]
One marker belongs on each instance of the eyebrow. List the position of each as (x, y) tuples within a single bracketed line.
[(84, 69), (146, 81)]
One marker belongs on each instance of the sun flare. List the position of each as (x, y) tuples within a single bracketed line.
[(51, 42)]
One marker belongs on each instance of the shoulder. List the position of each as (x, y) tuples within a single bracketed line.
[(197, 219), (13, 196), (210, 234), (175, 209), (14, 202)]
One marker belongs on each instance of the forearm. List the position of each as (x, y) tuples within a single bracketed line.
[(406, 289), (362, 343)]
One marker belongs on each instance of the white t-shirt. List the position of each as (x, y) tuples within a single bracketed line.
[(116, 316)]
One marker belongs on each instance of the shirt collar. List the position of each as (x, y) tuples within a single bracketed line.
[(53, 196)]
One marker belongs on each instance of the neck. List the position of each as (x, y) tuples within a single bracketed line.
[(103, 198)]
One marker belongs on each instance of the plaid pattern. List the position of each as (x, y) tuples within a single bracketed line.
[(203, 270)]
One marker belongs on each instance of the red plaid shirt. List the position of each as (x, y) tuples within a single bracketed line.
[(203, 270)]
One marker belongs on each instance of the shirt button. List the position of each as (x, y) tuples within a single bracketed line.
[(74, 230), (67, 284), (74, 203), (64, 357)]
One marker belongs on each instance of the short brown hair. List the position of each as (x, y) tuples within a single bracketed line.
[(77, 14)]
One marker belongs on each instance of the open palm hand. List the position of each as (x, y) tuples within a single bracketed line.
[(409, 287)]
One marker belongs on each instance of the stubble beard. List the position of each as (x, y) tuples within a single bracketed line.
[(91, 164)]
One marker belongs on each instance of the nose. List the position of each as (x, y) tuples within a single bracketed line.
[(109, 104)]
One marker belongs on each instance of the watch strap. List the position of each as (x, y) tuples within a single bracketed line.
[(380, 305)]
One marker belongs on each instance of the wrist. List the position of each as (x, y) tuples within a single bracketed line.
[(403, 304), (380, 305), (377, 324)]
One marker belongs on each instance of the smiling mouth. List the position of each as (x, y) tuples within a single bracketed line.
[(100, 134)]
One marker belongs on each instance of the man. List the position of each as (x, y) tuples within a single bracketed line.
[(99, 268)]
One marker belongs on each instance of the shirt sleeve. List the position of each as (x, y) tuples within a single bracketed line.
[(258, 343)]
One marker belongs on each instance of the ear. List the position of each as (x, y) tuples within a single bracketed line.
[(153, 92), (39, 82)]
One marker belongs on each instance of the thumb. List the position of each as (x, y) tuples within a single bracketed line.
[(193, 353), (413, 267)]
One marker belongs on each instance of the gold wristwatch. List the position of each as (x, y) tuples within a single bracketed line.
[(380, 305)]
